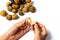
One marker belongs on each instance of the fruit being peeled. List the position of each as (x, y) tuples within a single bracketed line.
[(29, 20)]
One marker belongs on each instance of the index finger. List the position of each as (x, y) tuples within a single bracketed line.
[(21, 23), (42, 27), (27, 28)]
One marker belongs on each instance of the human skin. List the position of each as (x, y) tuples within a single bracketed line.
[(16, 31), (40, 32), (21, 28)]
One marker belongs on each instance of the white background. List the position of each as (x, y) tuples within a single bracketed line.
[(48, 13)]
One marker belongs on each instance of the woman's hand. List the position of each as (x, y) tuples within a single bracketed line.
[(40, 32), (17, 31), (20, 28)]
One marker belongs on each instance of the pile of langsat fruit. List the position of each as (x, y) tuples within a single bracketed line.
[(20, 6)]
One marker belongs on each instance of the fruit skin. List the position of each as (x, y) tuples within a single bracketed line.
[(15, 16), (9, 17), (25, 9), (28, 4), (17, 1), (21, 7), (21, 13), (3, 13), (32, 9), (22, 1), (12, 1), (8, 4), (27, 1), (15, 6), (14, 10), (9, 8)]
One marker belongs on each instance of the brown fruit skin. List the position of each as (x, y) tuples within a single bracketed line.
[(22, 1), (3, 13), (21, 13), (15, 16), (32, 9), (15, 6), (8, 4), (17, 1), (27, 1), (9, 8), (21, 7), (9, 17), (14, 10), (28, 4), (12, 1), (25, 9)]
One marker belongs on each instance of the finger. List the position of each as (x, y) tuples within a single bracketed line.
[(21, 33), (24, 26), (27, 28), (15, 27), (32, 27), (11, 38), (21, 23), (36, 28), (42, 28)]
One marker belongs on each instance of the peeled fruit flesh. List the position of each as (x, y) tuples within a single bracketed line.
[(29, 20)]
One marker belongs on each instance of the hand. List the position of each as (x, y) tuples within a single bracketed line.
[(17, 31), (40, 32)]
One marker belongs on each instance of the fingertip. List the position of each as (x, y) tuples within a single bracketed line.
[(36, 26), (41, 24), (42, 27), (27, 29), (32, 27), (23, 21)]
